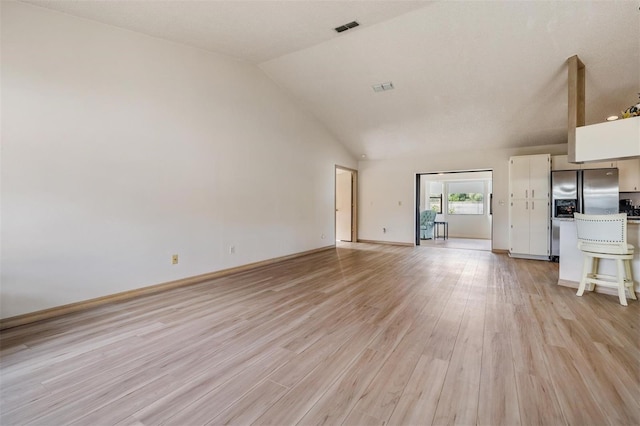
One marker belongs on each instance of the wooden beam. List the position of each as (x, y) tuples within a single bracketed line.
[(576, 83)]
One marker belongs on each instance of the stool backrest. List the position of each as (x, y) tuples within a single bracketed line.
[(602, 233)]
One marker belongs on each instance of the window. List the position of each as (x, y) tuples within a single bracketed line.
[(466, 197), (466, 203), (435, 203)]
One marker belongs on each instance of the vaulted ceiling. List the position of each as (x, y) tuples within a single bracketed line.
[(466, 74)]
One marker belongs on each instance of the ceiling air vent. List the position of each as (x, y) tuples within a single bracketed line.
[(346, 27), (382, 87)]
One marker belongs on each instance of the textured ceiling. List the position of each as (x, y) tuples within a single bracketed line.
[(467, 74), (254, 31)]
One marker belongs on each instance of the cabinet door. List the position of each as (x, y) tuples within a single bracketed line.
[(539, 227), (519, 232), (519, 177), (629, 175), (539, 172), (599, 165)]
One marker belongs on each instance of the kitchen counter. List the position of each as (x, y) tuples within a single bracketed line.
[(571, 258), (630, 220)]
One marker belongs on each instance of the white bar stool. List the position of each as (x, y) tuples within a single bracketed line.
[(605, 237)]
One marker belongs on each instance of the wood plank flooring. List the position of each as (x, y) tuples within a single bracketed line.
[(458, 243), (363, 334)]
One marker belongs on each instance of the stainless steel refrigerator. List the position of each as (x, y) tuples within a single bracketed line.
[(583, 191)]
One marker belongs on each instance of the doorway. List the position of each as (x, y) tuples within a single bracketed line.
[(345, 204), (463, 203)]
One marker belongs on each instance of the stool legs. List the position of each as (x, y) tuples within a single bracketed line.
[(595, 262), (621, 282), (629, 275), (586, 265)]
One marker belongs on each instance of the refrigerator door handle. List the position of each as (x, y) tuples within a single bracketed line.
[(533, 193), (533, 203), (526, 193), (527, 205)]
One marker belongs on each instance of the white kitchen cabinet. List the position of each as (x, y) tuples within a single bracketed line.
[(561, 162), (529, 176), (599, 165), (539, 176), (519, 178), (629, 175), (519, 226), (529, 229), (529, 214)]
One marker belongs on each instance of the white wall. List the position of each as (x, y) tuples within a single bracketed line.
[(387, 190), (119, 150)]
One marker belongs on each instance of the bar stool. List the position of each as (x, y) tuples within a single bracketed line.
[(605, 237)]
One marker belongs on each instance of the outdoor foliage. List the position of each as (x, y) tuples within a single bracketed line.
[(466, 203), (466, 196)]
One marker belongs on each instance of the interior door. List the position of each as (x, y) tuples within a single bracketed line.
[(344, 204)]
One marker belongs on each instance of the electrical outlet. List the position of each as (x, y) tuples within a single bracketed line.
[(232, 249), (174, 259)]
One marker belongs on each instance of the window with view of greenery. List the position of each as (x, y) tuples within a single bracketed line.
[(435, 203), (466, 203)]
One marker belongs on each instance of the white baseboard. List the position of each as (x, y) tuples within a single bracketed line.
[(118, 297), (392, 243)]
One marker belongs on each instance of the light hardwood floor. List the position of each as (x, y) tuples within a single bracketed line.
[(458, 243), (363, 334)]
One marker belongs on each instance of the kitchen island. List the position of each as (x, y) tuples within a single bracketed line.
[(571, 257)]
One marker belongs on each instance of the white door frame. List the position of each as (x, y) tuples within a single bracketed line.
[(354, 201), (418, 195)]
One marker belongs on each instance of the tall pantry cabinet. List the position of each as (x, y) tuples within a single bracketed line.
[(529, 210)]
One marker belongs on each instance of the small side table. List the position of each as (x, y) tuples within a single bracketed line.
[(445, 228)]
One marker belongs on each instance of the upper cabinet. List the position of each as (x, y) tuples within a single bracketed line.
[(599, 165), (609, 140), (629, 175), (560, 162), (529, 176)]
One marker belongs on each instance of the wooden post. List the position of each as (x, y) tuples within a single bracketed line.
[(576, 83)]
